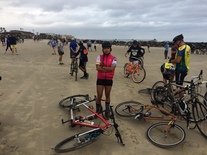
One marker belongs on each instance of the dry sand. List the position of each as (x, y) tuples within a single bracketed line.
[(33, 84)]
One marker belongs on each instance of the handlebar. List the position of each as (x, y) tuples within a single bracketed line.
[(199, 77)]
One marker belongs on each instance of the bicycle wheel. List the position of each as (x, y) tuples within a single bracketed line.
[(129, 108), (205, 97), (162, 98), (138, 74), (163, 135), (77, 141), (126, 70), (157, 84), (141, 62), (200, 117), (77, 99), (76, 71), (71, 69)]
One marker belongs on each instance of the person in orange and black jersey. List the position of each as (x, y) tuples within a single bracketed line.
[(83, 59)]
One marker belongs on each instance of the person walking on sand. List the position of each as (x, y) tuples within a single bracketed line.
[(60, 51), (148, 47), (166, 50), (95, 45), (8, 44), (105, 66), (83, 59), (13, 42), (53, 44)]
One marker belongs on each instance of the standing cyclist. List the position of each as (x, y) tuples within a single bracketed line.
[(182, 60), (105, 66), (83, 59)]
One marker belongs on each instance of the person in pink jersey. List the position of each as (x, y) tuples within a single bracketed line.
[(105, 66)]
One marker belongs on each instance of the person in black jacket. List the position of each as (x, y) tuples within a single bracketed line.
[(13, 42), (136, 51)]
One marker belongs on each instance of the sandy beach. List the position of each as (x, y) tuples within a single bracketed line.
[(33, 84)]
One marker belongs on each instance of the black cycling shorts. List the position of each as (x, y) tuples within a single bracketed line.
[(82, 64), (179, 77), (104, 82)]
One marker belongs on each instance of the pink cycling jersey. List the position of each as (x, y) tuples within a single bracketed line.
[(106, 60)]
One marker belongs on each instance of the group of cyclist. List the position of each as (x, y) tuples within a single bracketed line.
[(106, 64)]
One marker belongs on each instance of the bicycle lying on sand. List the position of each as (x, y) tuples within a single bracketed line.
[(95, 121), (166, 93), (137, 71), (168, 134), (74, 67)]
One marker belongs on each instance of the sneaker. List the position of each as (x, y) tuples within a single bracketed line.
[(87, 75), (61, 63), (107, 114), (99, 109), (83, 77)]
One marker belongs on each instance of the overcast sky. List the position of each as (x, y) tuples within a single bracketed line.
[(109, 19)]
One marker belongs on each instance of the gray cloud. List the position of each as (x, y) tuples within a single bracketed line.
[(109, 19)]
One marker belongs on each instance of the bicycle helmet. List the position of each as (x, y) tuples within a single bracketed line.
[(80, 42), (168, 70), (135, 42), (177, 38), (106, 44)]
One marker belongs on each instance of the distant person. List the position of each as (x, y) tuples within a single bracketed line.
[(13, 42), (53, 44), (173, 52), (105, 66), (60, 51), (3, 40), (73, 48), (95, 45), (89, 45), (8, 44), (166, 46), (83, 59), (182, 60), (148, 48), (135, 51)]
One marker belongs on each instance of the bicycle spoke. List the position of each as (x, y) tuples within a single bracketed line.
[(163, 135)]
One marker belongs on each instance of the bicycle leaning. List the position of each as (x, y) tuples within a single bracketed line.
[(72, 103), (74, 67), (137, 70)]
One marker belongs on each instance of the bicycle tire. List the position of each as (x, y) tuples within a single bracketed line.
[(138, 75), (205, 97), (162, 99), (157, 84), (200, 117), (76, 71), (122, 109), (141, 62), (72, 143), (126, 72), (156, 134), (65, 102), (71, 69)]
